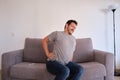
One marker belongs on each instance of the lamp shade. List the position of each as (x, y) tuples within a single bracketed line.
[(113, 6)]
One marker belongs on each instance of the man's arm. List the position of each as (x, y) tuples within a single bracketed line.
[(45, 41)]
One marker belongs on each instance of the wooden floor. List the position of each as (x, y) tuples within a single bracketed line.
[(117, 78)]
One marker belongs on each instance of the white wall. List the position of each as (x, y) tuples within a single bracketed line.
[(37, 18)]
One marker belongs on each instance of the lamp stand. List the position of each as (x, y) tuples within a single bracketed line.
[(116, 73)]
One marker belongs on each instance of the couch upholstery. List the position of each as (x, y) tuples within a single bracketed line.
[(29, 63)]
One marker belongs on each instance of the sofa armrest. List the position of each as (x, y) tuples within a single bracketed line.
[(107, 59), (9, 59)]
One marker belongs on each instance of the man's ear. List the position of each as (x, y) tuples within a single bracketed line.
[(66, 25)]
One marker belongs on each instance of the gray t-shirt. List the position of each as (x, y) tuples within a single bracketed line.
[(64, 46)]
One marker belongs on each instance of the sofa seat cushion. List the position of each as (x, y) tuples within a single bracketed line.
[(27, 70), (93, 70)]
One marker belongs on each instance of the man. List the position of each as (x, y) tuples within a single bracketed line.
[(59, 61)]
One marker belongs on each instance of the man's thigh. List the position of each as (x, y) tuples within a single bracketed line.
[(55, 67), (74, 67)]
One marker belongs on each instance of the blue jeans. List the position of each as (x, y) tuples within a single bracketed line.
[(70, 71)]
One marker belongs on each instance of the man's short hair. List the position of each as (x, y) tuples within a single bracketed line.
[(71, 21)]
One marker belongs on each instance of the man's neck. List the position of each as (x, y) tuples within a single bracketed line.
[(65, 31)]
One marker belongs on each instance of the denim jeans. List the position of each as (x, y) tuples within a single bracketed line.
[(70, 71)]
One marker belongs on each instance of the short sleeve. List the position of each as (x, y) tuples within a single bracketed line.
[(74, 44), (52, 37)]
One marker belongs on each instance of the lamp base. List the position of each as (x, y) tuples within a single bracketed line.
[(117, 73)]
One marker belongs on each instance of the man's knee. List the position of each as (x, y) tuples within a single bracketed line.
[(79, 69), (65, 71)]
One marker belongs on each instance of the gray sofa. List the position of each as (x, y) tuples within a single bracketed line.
[(29, 63)]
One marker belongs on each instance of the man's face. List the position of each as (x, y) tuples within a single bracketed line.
[(71, 28)]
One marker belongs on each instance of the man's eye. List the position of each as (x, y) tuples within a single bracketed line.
[(74, 27)]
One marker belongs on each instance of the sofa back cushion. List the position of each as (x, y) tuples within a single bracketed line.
[(84, 50), (34, 52)]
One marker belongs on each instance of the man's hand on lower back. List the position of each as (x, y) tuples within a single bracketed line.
[(51, 55)]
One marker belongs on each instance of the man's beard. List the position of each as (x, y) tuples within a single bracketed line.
[(69, 32)]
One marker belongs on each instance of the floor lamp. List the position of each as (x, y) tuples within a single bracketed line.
[(113, 9)]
